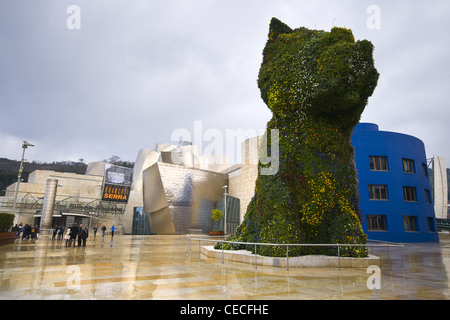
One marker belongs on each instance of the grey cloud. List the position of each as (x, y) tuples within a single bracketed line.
[(138, 70)]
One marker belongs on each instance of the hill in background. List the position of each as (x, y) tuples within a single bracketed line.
[(9, 169)]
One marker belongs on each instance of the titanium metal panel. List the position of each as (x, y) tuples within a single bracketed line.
[(153, 190), (161, 222), (179, 198)]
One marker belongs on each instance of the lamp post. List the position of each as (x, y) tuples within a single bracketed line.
[(225, 215), (25, 145)]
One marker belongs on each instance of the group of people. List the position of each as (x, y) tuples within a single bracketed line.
[(70, 234), (74, 232), (29, 231), (58, 231), (78, 232)]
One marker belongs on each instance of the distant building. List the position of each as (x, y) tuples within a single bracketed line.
[(79, 198), (439, 187), (394, 187), (170, 190)]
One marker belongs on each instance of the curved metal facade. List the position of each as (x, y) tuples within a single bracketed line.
[(178, 198)]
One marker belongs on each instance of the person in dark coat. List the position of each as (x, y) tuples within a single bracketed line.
[(80, 231), (73, 233), (61, 232), (25, 231), (55, 232), (33, 232), (84, 235)]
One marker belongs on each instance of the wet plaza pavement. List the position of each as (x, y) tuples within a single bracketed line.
[(159, 267)]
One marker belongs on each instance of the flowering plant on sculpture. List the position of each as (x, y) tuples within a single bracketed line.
[(316, 85)]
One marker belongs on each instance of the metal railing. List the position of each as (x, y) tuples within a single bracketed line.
[(443, 223), (287, 245)]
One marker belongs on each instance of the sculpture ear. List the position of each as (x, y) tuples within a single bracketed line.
[(276, 28)]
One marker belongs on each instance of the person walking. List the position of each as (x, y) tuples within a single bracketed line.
[(80, 231), (67, 237), (103, 231), (73, 234), (33, 232), (61, 232), (26, 231), (95, 230), (55, 231), (112, 231), (20, 229), (84, 235), (16, 229)]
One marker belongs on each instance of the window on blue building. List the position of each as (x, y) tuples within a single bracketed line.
[(410, 223), (428, 196), (378, 163), (425, 170), (376, 223), (408, 166), (431, 224), (409, 194), (378, 192)]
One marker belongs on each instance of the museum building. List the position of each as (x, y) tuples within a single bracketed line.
[(173, 189), (170, 190)]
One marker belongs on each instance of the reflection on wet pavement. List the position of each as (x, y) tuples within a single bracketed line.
[(158, 267)]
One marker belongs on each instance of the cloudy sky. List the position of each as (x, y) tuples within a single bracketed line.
[(128, 73)]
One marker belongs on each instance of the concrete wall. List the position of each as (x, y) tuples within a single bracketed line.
[(440, 187), (78, 187)]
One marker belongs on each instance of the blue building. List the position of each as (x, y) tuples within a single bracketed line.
[(394, 187)]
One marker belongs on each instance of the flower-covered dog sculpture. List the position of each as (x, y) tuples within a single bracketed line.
[(316, 84)]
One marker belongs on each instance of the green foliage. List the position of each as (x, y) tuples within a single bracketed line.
[(276, 28), (216, 215), (6, 221), (316, 84)]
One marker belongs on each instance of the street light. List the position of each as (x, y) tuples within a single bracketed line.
[(25, 145), (225, 215)]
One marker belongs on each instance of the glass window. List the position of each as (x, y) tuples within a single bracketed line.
[(408, 166), (410, 223), (409, 193), (428, 196), (141, 224), (378, 163), (425, 170), (431, 224), (378, 192), (376, 222)]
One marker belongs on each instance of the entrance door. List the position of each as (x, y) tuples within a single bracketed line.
[(141, 224)]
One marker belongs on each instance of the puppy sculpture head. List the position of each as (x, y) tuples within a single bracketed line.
[(312, 74)]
